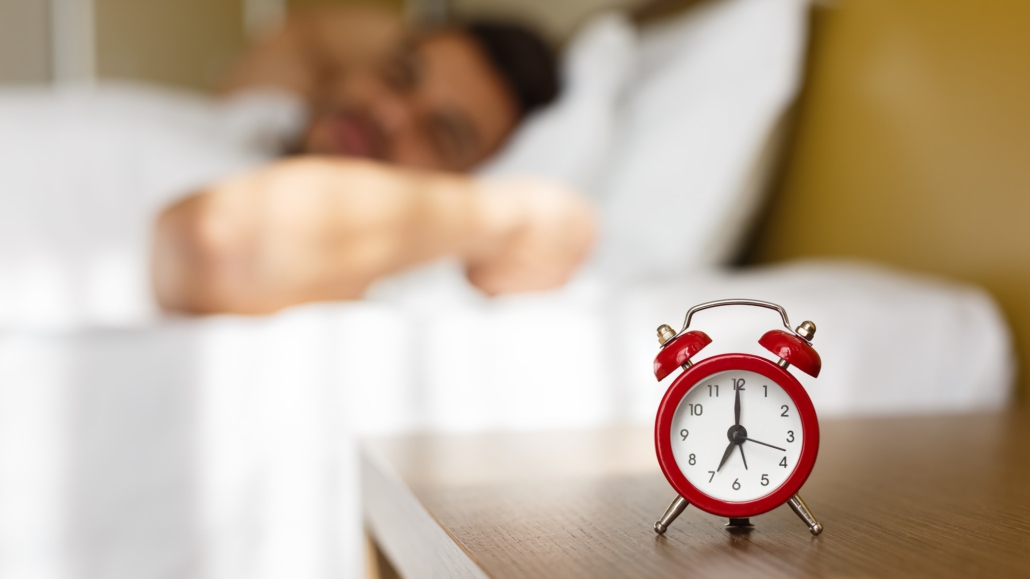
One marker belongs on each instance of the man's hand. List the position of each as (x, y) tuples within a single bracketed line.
[(320, 229), (552, 231)]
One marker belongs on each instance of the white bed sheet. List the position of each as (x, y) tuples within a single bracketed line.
[(225, 447)]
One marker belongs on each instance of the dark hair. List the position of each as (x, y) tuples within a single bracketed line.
[(523, 58)]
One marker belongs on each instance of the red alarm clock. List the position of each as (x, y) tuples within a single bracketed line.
[(736, 434)]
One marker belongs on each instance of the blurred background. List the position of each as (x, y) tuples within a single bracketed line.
[(908, 145)]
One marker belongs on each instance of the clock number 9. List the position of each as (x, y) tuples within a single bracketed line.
[(684, 433)]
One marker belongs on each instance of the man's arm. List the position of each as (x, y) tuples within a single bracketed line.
[(324, 229)]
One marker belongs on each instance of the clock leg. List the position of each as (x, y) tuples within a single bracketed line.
[(801, 509), (674, 510)]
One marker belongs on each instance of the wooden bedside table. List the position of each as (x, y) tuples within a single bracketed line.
[(928, 496)]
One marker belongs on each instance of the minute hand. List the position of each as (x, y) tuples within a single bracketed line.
[(736, 407), (765, 444)]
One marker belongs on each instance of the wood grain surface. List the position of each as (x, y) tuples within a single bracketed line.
[(925, 496)]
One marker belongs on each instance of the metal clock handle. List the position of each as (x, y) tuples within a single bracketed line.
[(736, 302)]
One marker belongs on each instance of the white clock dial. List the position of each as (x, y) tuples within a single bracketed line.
[(704, 423)]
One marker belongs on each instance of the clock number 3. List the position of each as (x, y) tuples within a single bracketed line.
[(790, 435)]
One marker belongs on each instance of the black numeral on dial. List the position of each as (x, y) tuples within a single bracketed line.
[(684, 433), (765, 480), (785, 409), (783, 462), (693, 459), (696, 409), (711, 472), (710, 387), (790, 435), (736, 484)]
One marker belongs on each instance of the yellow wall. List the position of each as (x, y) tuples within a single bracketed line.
[(188, 43), (24, 41), (913, 147), (182, 42)]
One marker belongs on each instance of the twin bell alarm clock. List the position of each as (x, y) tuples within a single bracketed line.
[(736, 434)]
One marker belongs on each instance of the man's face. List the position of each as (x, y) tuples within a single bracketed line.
[(437, 103)]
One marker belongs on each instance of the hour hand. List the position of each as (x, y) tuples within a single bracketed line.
[(725, 456)]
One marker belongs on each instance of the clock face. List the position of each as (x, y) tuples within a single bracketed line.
[(736, 462)]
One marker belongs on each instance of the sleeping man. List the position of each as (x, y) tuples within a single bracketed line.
[(396, 119)]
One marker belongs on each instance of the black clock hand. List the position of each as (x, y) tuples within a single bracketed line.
[(726, 455), (736, 408), (764, 444), (741, 447)]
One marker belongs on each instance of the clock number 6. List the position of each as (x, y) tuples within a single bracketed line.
[(684, 433), (736, 484)]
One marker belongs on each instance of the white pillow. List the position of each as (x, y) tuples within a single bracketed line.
[(697, 134), (568, 140)]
